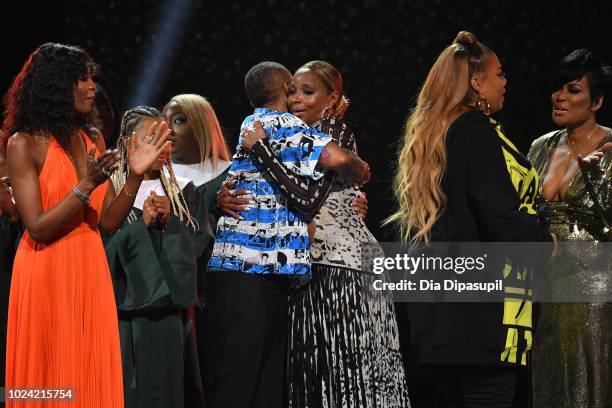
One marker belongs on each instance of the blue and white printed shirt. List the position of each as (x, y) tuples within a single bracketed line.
[(270, 238)]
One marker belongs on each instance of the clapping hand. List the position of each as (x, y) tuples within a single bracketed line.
[(145, 148), (100, 168), (155, 207)]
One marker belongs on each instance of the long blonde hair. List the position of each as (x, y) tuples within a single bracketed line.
[(205, 125), (445, 95), (332, 79)]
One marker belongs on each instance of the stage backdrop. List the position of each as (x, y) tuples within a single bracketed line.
[(150, 50)]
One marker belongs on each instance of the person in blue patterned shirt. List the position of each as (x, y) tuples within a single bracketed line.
[(254, 257), (269, 226)]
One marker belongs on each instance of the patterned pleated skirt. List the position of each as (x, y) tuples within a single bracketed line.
[(343, 343)]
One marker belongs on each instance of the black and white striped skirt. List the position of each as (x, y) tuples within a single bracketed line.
[(343, 344)]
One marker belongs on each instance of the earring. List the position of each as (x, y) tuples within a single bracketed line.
[(327, 113), (483, 105)]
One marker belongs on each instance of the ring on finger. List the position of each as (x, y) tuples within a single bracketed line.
[(149, 139), (106, 172)]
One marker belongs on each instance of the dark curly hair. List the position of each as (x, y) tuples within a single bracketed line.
[(41, 99)]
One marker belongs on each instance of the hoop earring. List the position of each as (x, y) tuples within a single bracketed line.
[(483, 105), (326, 114)]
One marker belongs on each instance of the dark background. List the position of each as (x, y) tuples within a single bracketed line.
[(150, 50), (383, 50)]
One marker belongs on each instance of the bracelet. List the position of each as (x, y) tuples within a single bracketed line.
[(127, 193), (84, 198)]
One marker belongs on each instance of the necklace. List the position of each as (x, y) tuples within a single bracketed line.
[(576, 148), (572, 143)]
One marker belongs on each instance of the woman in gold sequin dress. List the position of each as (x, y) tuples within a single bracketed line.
[(572, 356)]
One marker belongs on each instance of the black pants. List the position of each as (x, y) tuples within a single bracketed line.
[(471, 386), (246, 326)]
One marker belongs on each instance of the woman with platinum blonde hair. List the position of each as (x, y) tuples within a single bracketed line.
[(199, 151)]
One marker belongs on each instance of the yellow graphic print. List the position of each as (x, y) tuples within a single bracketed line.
[(518, 306), (517, 314), (524, 179)]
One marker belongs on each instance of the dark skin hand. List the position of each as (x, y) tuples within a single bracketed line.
[(595, 157), (26, 155), (142, 156), (344, 163), (7, 207), (230, 201), (155, 208)]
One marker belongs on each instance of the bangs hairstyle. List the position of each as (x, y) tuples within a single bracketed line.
[(205, 125), (583, 62), (40, 99)]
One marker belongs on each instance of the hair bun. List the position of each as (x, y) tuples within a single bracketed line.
[(465, 38), (341, 107)]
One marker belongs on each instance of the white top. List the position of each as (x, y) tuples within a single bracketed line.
[(155, 185), (200, 173)]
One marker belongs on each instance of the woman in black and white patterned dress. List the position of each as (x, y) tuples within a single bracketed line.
[(343, 339)]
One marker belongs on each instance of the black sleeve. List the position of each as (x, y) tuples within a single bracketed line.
[(304, 194), (492, 197)]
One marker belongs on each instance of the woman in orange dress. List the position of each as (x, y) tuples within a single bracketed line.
[(62, 323)]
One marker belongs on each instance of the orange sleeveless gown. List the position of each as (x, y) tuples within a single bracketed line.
[(62, 319)]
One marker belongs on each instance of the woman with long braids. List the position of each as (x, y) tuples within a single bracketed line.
[(199, 153), (343, 338), (153, 260), (460, 179), (62, 323)]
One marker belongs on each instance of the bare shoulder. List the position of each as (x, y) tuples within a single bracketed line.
[(27, 148), (19, 143)]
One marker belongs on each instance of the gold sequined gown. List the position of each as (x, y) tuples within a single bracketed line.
[(572, 354)]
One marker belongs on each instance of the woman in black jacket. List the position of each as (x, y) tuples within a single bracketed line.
[(460, 179)]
